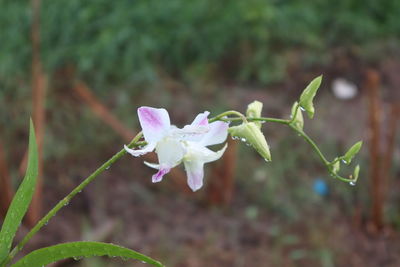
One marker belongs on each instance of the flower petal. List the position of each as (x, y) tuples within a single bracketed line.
[(197, 152), (194, 131), (213, 156), (152, 165), (190, 132), (194, 160), (160, 174), (170, 152), (162, 170), (148, 148), (201, 119), (155, 123), (217, 133), (195, 174)]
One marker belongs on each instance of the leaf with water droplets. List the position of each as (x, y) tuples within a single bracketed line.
[(20, 203), (79, 250)]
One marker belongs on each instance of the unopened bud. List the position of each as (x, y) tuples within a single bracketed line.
[(307, 97), (352, 152), (297, 116), (254, 111), (251, 134)]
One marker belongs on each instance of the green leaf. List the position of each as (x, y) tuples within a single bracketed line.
[(307, 97), (78, 250), (20, 203), (352, 152)]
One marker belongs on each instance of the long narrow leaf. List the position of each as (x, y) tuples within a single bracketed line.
[(20, 203), (78, 250)]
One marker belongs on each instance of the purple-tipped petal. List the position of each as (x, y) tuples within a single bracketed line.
[(195, 174), (155, 123), (217, 133), (160, 174), (201, 119)]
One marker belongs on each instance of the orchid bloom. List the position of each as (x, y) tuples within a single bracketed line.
[(174, 145)]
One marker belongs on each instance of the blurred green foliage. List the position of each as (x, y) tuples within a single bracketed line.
[(124, 42)]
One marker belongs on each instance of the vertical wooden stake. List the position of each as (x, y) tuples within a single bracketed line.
[(5, 184), (220, 189), (375, 113), (39, 94)]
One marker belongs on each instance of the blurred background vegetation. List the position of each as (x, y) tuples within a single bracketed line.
[(189, 56)]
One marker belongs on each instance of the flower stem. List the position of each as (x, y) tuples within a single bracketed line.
[(328, 164), (221, 116), (134, 143)]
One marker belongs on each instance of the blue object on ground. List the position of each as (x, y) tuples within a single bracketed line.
[(320, 187)]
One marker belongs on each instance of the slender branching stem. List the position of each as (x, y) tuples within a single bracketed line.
[(65, 201), (224, 116), (239, 117)]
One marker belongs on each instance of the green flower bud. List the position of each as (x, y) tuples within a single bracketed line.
[(254, 111), (356, 172), (352, 152), (298, 117), (249, 132), (336, 166), (306, 98)]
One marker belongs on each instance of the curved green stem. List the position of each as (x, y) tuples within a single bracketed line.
[(134, 143), (221, 116), (312, 143), (327, 163)]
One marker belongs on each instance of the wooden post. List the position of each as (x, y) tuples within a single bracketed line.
[(38, 95), (5, 184), (221, 184), (85, 94), (375, 114)]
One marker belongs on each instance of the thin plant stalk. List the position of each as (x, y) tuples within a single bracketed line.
[(289, 123), (65, 201)]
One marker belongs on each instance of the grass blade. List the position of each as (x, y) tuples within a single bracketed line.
[(20, 203), (78, 250)]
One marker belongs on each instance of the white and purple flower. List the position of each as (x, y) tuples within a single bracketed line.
[(174, 145)]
